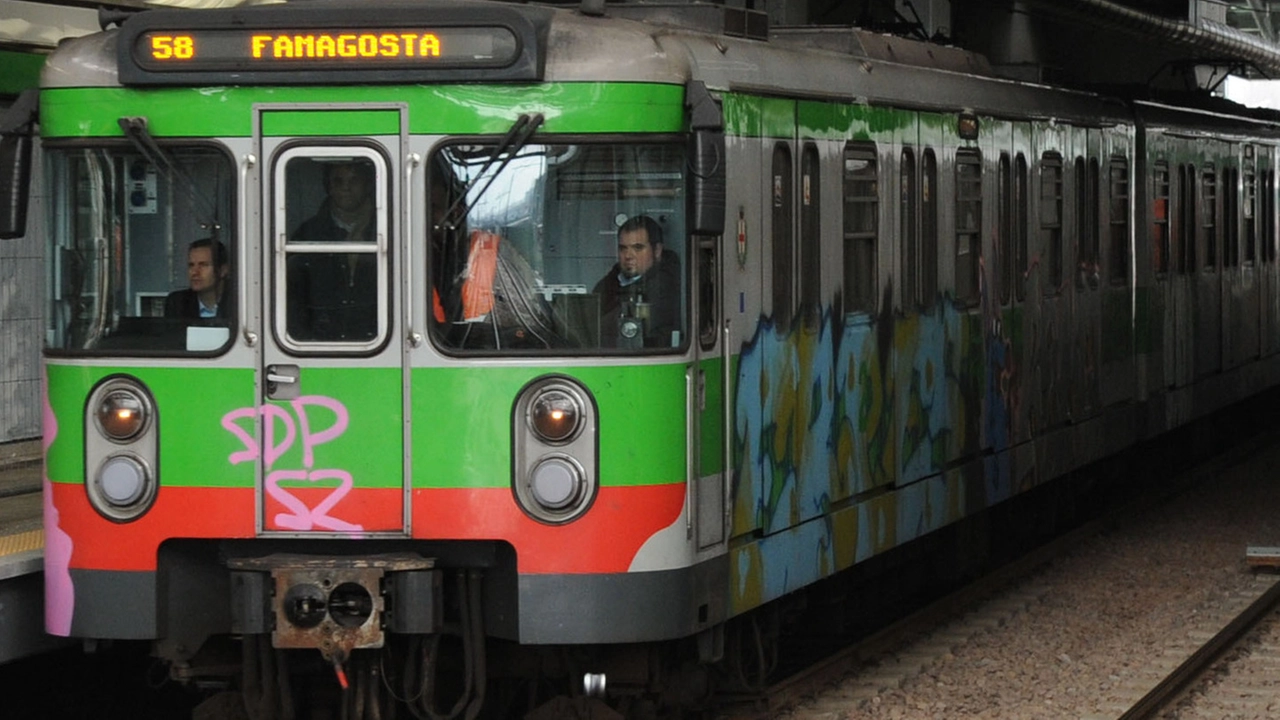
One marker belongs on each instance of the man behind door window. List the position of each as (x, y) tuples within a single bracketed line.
[(333, 296)]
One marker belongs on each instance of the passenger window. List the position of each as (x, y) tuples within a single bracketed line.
[(1004, 232), (907, 228), (810, 237), (1160, 219), (783, 240), (1086, 224), (928, 228), (1230, 217), (1209, 216), (1268, 216), (1185, 230), (1021, 209), (968, 225), (1250, 235), (1051, 218), (1118, 237), (708, 293), (861, 226)]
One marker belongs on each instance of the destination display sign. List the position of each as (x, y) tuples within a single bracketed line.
[(324, 49), (334, 42)]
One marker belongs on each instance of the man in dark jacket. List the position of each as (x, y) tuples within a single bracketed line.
[(640, 295), (207, 269), (334, 296)]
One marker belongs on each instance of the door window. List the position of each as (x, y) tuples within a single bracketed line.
[(331, 249)]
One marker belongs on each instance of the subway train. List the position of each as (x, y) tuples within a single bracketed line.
[(332, 401)]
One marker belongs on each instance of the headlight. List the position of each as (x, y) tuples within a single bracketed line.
[(122, 481), (556, 483), (121, 448), (555, 415), (554, 460), (123, 488), (121, 414)]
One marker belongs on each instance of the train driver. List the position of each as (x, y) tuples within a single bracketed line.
[(640, 295), (207, 269)]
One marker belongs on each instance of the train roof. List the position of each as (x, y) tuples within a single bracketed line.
[(725, 48)]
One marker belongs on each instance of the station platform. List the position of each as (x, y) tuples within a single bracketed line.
[(22, 553)]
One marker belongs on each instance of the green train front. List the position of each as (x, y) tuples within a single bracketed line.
[(476, 433)]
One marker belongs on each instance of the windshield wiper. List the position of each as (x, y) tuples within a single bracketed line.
[(512, 143), (135, 129)]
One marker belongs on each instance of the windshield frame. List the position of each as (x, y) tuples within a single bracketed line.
[(684, 244), (59, 229)]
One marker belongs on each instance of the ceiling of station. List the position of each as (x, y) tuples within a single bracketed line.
[(1222, 32), (1256, 17)]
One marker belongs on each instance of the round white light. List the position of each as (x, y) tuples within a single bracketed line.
[(123, 481), (555, 483)]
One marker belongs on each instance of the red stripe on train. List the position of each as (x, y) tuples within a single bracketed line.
[(604, 540)]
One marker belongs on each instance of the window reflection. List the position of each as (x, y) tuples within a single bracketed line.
[(558, 248), (331, 259), (142, 256)]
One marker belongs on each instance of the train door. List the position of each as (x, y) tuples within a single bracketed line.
[(1208, 274), (1179, 331), (1024, 315), (795, 192), (1153, 222), (913, 356), (746, 266), (1048, 283), (779, 191), (1116, 354), (1149, 183), (1229, 269), (710, 401), (332, 383), (923, 399), (1002, 310), (1086, 278)]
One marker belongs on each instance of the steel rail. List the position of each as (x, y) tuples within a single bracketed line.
[(1171, 687)]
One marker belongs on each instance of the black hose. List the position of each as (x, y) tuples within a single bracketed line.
[(477, 668), (251, 677)]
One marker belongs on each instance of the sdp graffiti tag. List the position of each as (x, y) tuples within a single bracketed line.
[(297, 427)]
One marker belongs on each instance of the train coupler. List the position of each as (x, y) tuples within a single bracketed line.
[(335, 604)]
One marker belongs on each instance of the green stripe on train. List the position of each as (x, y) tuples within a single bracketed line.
[(461, 420), (194, 447), (752, 116), (444, 109)]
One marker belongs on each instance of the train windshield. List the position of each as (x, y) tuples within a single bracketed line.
[(140, 259), (569, 248)]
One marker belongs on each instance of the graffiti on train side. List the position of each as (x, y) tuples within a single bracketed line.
[(282, 484), (858, 433), (59, 591)]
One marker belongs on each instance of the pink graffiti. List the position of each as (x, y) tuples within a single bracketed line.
[(303, 517), (59, 592), (297, 426), (272, 413)]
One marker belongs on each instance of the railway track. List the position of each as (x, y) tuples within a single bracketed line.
[(1203, 659), (1241, 685), (1123, 618)]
